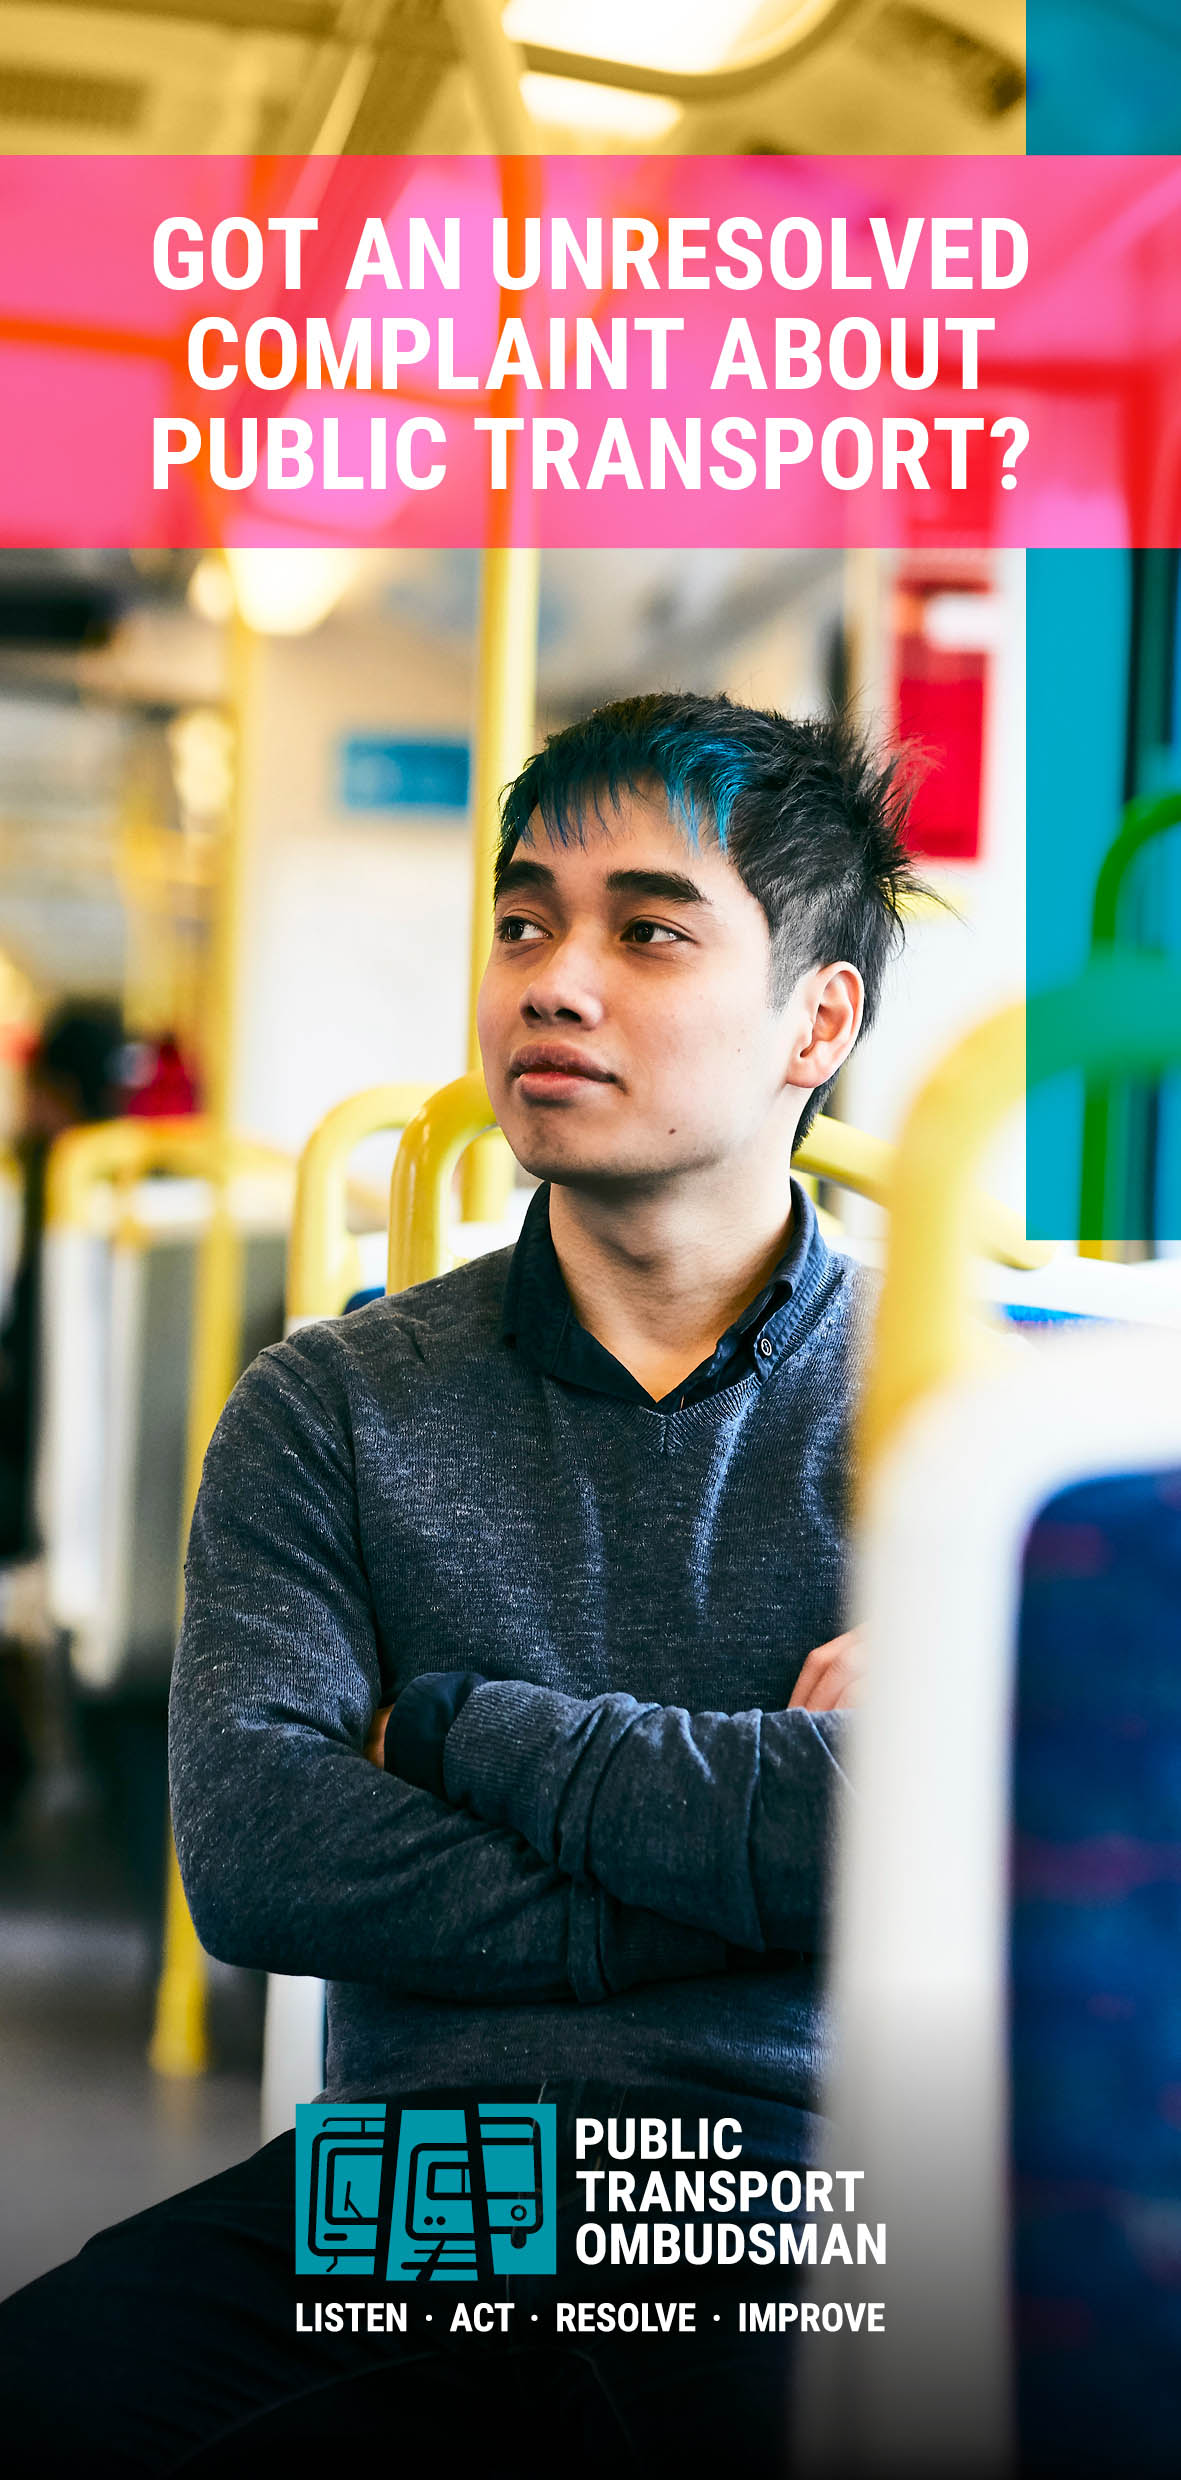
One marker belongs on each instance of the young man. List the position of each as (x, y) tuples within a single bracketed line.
[(557, 1544)]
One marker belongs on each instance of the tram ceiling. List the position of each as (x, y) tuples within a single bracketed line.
[(61, 773), (615, 618), (387, 76), (117, 630), (79, 758), (108, 626), (70, 943), (608, 618), (83, 743)]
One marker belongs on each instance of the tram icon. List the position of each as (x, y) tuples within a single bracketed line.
[(457, 2217), (343, 2189)]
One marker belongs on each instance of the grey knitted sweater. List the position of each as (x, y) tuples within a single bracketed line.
[(627, 1878)]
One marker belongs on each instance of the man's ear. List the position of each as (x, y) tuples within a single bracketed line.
[(827, 1006)]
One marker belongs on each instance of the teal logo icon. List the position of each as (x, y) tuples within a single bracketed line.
[(447, 2195), (339, 2159)]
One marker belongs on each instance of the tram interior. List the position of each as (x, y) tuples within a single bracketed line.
[(179, 734), (125, 694), (238, 841)]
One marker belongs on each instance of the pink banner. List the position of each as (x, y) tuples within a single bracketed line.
[(607, 351)]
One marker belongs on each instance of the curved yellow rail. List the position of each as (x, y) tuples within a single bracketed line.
[(421, 1184), (319, 1265), (118, 1151), (459, 1113), (832, 1150)]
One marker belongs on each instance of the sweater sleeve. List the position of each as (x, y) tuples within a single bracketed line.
[(724, 1821), (297, 1854)]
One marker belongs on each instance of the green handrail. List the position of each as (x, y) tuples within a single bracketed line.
[(1144, 819)]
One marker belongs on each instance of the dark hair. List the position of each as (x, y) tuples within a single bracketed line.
[(813, 821), (82, 1044)]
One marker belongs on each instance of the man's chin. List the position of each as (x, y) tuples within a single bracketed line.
[(565, 1169), (554, 1147), (585, 1167)]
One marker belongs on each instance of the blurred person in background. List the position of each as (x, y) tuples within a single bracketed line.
[(74, 1075)]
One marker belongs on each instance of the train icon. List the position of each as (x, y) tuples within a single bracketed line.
[(442, 2202)]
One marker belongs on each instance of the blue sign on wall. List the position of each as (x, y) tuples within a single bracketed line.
[(376, 773)]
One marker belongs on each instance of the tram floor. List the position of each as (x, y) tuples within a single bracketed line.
[(89, 2133)]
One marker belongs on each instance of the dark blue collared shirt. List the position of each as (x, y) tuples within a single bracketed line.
[(539, 1316)]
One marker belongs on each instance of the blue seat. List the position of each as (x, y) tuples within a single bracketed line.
[(361, 1300), (1096, 1980)]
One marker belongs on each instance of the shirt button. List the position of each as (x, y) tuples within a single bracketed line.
[(766, 1346)]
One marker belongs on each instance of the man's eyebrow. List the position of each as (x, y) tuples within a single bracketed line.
[(517, 874), (663, 886), (667, 886)]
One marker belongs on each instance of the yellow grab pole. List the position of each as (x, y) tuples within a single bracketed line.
[(505, 726), (180, 2042), (495, 64)]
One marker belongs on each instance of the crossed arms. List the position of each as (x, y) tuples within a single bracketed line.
[(584, 1847)]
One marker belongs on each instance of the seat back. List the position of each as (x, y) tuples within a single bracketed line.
[(1095, 2029), (126, 1203)]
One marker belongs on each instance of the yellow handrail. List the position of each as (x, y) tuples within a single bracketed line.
[(180, 2045), (459, 1113), (117, 1151), (319, 1271), (434, 1140), (832, 1150)]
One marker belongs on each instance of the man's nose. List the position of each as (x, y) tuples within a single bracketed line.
[(566, 987)]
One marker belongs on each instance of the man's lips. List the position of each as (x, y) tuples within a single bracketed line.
[(548, 1064)]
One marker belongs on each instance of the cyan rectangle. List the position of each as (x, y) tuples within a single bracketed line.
[(381, 774), (1078, 648)]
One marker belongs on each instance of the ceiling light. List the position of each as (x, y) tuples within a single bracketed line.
[(286, 593), (657, 34), (210, 590), (610, 111)]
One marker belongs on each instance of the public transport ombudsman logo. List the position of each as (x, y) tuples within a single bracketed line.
[(448, 2195)]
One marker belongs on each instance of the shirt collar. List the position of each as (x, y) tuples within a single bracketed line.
[(538, 1316)]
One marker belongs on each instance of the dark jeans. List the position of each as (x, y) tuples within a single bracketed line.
[(169, 2345)]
